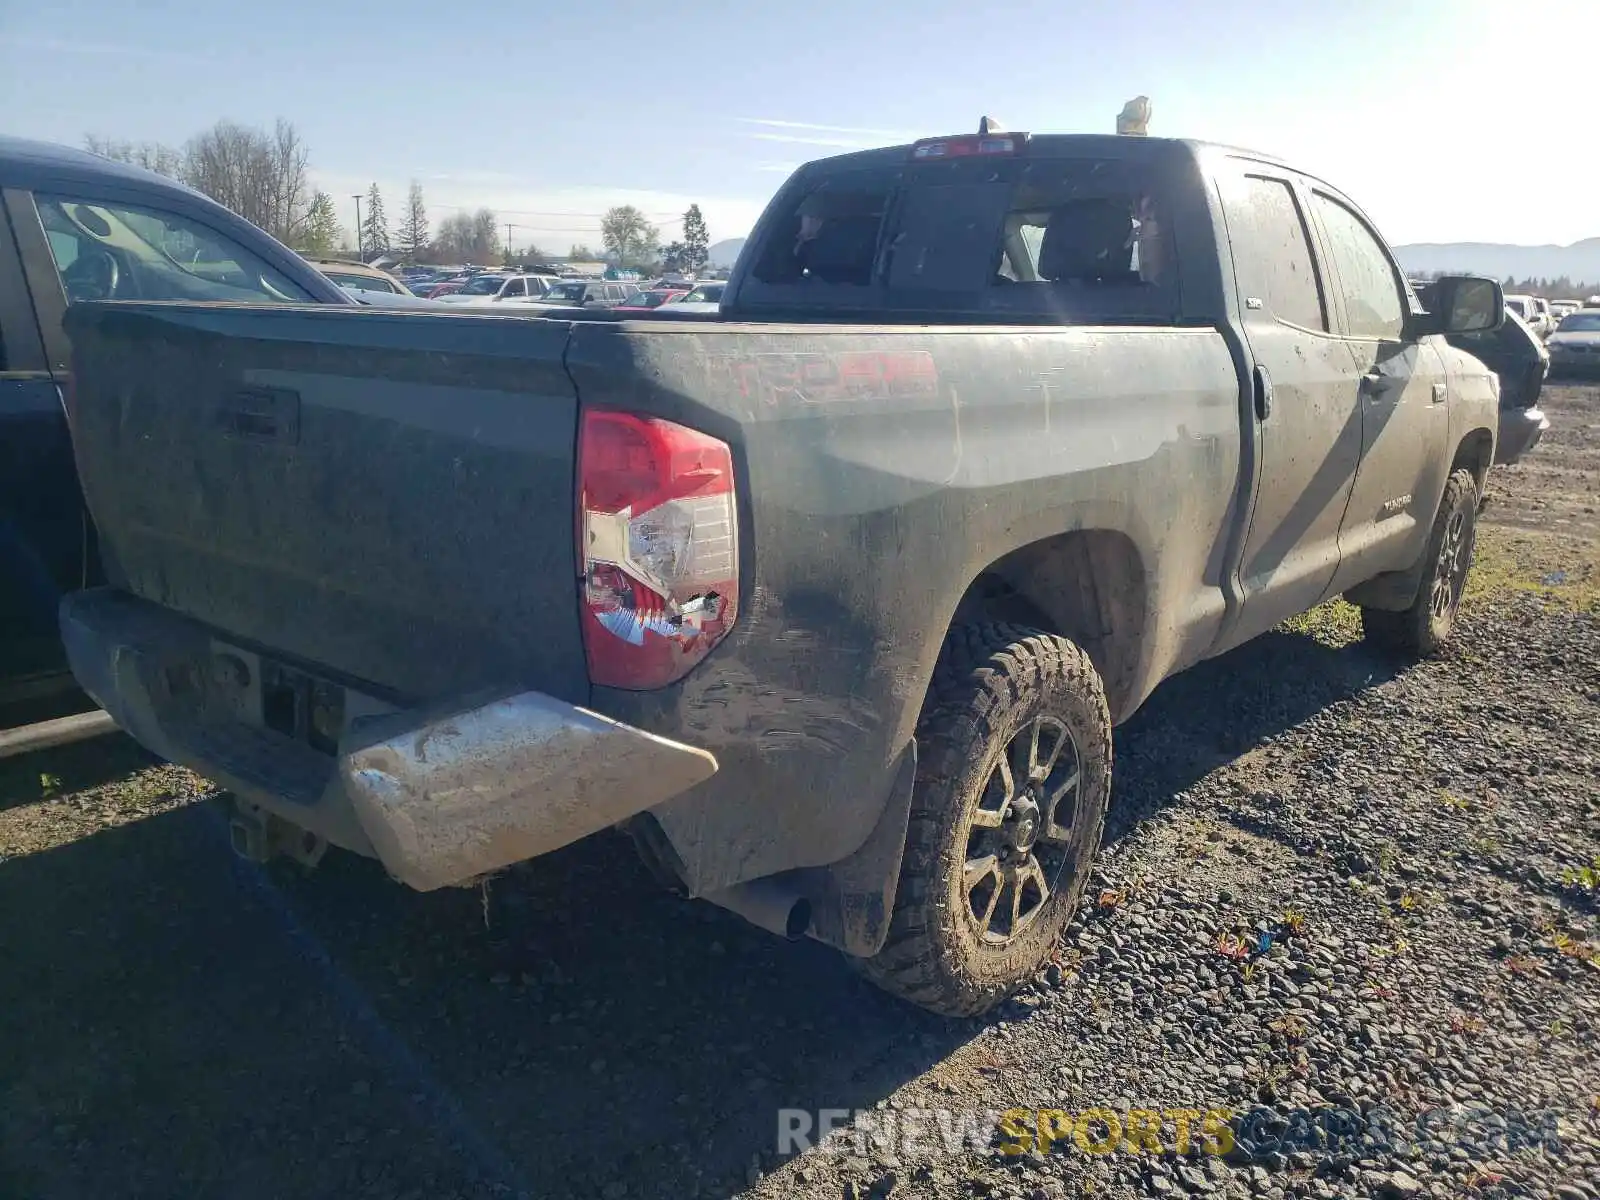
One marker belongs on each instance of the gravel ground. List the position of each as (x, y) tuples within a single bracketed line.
[(1341, 907)]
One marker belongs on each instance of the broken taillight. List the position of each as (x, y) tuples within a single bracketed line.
[(658, 547)]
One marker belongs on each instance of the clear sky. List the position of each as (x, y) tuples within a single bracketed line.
[(1443, 118)]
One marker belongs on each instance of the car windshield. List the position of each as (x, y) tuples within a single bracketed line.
[(566, 292), (709, 294), (484, 285), (1580, 322), (649, 299), (1517, 305)]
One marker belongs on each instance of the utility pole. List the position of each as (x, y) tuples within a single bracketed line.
[(361, 246), (509, 228)]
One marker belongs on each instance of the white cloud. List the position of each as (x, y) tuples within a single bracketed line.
[(47, 45), (837, 137), (889, 134), (842, 143)]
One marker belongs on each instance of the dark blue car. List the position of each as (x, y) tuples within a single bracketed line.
[(75, 226)]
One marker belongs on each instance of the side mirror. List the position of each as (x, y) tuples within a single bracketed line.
[(1465, 304)]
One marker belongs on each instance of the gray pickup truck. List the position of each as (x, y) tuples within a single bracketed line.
[(831, 603)]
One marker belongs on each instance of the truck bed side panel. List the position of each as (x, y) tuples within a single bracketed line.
[(886, 469), (385, 498)]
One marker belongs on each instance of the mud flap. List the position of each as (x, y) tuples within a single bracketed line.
[(852, 900)]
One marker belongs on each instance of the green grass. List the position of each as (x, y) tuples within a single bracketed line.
[(1508, 562)]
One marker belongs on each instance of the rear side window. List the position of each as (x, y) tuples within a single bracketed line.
[(1272, 252), (1374, 305)]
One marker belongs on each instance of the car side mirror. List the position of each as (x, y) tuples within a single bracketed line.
[(1465, 304)]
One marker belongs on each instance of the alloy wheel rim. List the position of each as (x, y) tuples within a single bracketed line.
[(1449, 572), (1020, 834)]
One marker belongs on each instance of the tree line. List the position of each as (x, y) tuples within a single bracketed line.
[(1562, 288), (265, 178), (1551, 289)]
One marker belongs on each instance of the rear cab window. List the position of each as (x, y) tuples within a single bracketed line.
[(1046, 240)]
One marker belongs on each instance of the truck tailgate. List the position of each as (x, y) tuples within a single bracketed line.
[(385, 497)]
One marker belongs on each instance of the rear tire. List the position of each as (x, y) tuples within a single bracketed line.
[(1421, 630), (1014, 772)]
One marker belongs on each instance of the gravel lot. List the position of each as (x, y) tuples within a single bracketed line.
[(1328, 889)]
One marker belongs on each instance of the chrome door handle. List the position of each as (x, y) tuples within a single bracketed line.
[(1440, 393)]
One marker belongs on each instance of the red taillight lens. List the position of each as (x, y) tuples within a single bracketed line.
[(658, 545)]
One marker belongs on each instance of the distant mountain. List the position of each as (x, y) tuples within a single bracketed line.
[(725, 253), (1579, 262)]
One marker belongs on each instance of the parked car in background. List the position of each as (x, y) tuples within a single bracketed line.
[(495, 289), (75, 226), (1575, 345), (703, 298), (1528, 310), (648, 300), (1517, 356), (1560, 308), (359, 277), (581, 293)]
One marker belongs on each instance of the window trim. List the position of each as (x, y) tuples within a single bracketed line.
[(22, 349), (1316, 190), (1314, 247), (40, 278)]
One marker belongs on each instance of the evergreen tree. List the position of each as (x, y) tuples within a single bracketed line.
[(413, 225), (696, 241), (374, 227)]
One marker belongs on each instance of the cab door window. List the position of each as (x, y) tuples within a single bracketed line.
[(113, 251), (1374, 305)]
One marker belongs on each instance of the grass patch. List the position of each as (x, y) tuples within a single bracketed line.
[(1336, 623), (1506, 563), (1520, 561)]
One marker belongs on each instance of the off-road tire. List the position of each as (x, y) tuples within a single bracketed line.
[(991, 685), (1421, 630)]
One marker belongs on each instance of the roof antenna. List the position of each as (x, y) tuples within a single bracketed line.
[(988, 126), (1134, 118)]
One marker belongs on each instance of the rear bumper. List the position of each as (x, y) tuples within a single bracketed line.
[(1571, 364), (440, 794), (1520, 431)]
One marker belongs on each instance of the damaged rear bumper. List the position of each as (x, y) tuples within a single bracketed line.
[(440, 795)]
